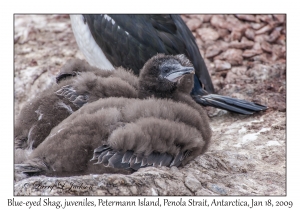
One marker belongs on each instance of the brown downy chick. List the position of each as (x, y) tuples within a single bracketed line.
[(157, 80), (171, 77), (37, 118), (53, 105), (123, 135)]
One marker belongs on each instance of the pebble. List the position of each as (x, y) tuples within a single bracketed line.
[(266, 47), (193, 24), (217, 189), (233, 56), (222, 65), (246, 17), (250, 33), (212, 51), (192, 183), (208, 34)]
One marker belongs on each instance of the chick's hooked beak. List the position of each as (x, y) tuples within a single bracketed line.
[(178, 71)]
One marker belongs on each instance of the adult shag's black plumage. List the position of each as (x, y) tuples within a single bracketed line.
[(130, 40)]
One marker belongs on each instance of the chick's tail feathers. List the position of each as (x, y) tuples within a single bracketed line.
[(128, 160)]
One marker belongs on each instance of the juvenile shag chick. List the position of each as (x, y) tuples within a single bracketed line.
[(122, 135), (130, 40), (53, 105)]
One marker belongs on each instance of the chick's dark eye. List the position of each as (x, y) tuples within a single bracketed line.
[(166, 70)]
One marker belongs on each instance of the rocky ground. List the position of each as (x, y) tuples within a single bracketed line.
[(246, 57)]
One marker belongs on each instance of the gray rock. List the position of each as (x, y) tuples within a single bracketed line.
[(192, 183)]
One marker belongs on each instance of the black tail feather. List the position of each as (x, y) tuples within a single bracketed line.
[(207, 98), (231, 104)]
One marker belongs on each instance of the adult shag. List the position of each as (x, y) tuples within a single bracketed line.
[(109, 41)]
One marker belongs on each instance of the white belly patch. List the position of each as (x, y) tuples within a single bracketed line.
[(86, 43)]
